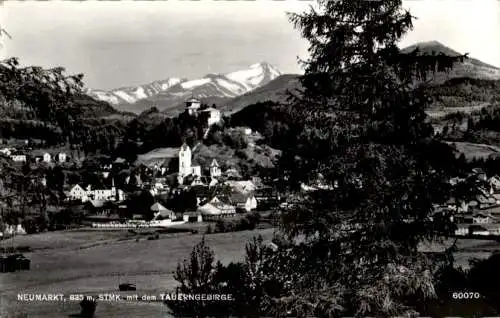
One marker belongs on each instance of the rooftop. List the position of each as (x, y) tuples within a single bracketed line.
[(192, 99)]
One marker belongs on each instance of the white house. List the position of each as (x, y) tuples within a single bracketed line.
[(13, 229), (18, 158), (481, 219), (185, 168), (246, 202), (495, 182), (61, 157), (47, 157), (7, 151), (192, 106), (162, 213), (216, 208), (242, 186), (223, 206), (103, 194), (78, 193), (213, 116)]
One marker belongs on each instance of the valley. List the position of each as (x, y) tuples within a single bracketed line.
[(176, 160)]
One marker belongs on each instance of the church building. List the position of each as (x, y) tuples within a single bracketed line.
[(185, 167)]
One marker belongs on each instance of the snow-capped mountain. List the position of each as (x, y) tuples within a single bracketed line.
[(169, 95), (132, 94)]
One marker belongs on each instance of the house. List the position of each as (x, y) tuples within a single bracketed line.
[(162, 213), (232, 174), (245, 202), (216, 210), (61, 157), (215, 171), (462, 230), (192, 217), (13, 229), (119, 163), (46, 157), (243, 186), (7, 151), (197, 181), (18, 157), (266, 194), (213, 182), (192, 106), (483, 201), (78, 193), (222, 206), (257, 181), (481, 219), (494, 182), (217, 207), (212, 115), (456, 180), (480, 174)]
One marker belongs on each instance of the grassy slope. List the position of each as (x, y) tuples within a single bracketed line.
[(90, 262), (471, 150), (100, 268), (261, 156)]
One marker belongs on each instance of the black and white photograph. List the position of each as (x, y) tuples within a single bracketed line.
[(265, 158)]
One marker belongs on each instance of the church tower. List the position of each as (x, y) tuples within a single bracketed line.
[(184, 161), (214, 169)]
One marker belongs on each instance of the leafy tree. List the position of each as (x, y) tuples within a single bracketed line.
[(360, 125), (196, 276), (245, 282), (48, 93)]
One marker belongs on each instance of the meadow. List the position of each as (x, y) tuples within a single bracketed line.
[(93, 262), (88, 262), (474, 150)]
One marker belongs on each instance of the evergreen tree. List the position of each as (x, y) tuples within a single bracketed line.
[(361, 128)]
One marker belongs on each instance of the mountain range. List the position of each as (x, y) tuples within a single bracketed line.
[(167, 95), (258, 83)]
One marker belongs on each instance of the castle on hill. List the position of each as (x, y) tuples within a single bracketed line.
[(210, 114)]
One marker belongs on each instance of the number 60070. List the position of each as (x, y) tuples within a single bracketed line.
[(466, 295)]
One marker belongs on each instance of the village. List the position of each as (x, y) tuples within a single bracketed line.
[(196, 193), (203, 193)]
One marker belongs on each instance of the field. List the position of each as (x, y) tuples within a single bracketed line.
[(88, 262), (93, 262), (439, 112), (471, 150)]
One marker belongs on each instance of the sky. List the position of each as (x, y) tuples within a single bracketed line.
[(124, 43)]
